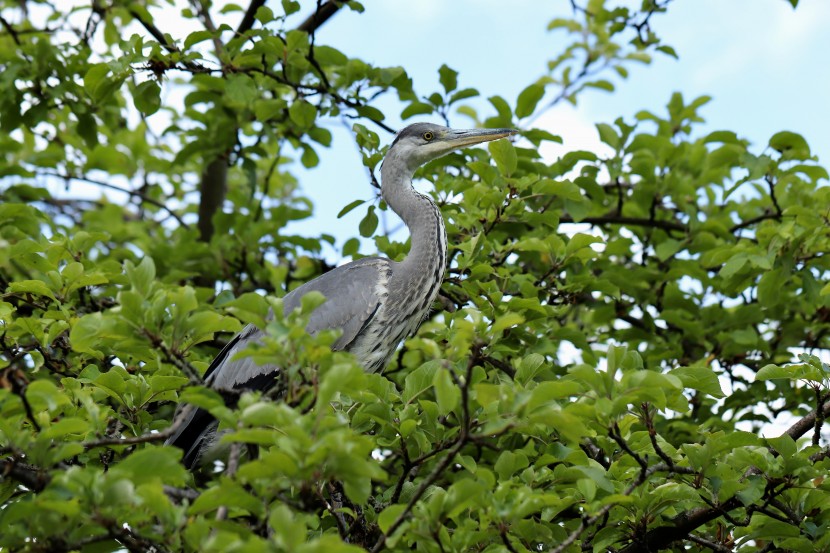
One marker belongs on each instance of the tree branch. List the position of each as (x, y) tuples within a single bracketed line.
[(615, 219), (133, 193), (213, 188), (11, 30), (144, 438), (34, 478), (250, 16), (320, 16), (806, 423), (662, 536)]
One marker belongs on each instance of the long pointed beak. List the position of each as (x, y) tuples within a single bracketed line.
[(466, 137)]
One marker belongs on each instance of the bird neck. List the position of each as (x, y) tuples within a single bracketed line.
[(420, 214)]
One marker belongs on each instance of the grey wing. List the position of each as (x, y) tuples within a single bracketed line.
[(225, 372), (195, 427), (354, 293)]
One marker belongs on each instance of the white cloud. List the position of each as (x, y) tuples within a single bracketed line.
[(577, 132)]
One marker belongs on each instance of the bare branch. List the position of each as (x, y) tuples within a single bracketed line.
[(34, 478), (213, 188), (144, 438), (320, 16), (616, 219), (248, 19), (134, 193)]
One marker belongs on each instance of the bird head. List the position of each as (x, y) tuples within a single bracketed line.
[(422, 142)]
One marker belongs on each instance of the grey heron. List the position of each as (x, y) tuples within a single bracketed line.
[(375, 302)]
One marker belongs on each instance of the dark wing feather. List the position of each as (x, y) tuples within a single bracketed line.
[(196, 430)]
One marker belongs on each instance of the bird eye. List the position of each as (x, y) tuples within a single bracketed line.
[(428, 136)]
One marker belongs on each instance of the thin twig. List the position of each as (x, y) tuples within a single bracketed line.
[(819, 417), (710, 544), (175, 358), (144, 438), (207, 21), (250, 16), (132, 193)]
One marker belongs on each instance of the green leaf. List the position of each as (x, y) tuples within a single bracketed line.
[(419, 381), (463, 94), (664, 250), (350, 207), (147, 97), (506, 321), (504, 154), (309, 157), (153, 464), (266, 109), (196, 37), (97, 83), (608, 135), (94, 78), (417, 107), (369, 223), (735, 264), (241, 90), (447, 393), (265, 15), (797, 371), (448, 78), (229, 494), (528, 99), (529, 367), (791, 145), (668, 50), (65, 427), (261, 414), (389, 515), (88, 129), (370, 112), (112, 382), (163, 383), (601, 84), (36, 287), (142, 276), (784, 445), (289, 7), (302, 114), (562, 23), (562, 188), (579, 241), (701, 378)]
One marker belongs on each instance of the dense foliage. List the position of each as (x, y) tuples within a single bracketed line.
[(613, 332)]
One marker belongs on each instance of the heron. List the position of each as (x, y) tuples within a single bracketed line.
[(374, 302)]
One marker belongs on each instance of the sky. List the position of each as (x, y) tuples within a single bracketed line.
[(763, 63)]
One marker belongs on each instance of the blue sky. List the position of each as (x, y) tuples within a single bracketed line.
[(763, 63)]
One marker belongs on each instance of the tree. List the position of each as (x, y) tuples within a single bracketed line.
[(682, 265)]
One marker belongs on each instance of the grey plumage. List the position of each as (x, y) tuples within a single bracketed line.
[(375, 302)]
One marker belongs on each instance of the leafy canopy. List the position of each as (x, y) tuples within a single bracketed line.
[(613, 332)]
